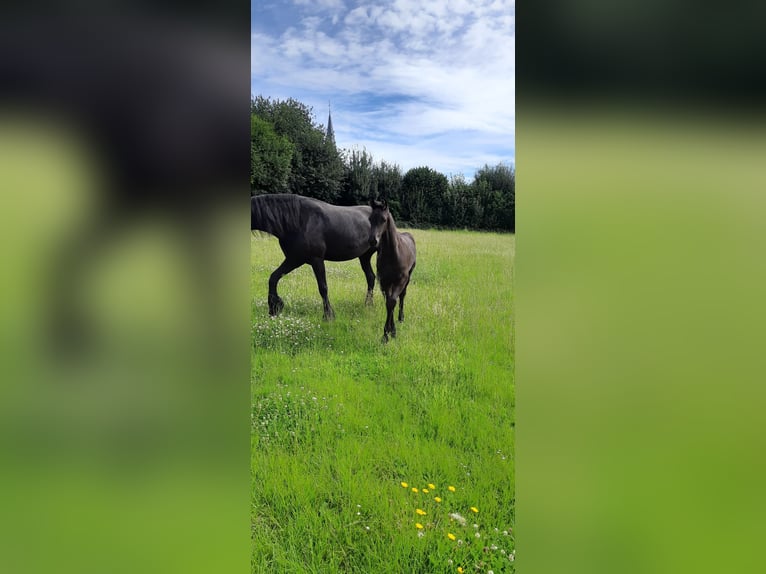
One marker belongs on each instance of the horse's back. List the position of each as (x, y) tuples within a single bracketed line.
[(319, 229), (343, 231)]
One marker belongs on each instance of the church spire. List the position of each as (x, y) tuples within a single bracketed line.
[(330, 135)]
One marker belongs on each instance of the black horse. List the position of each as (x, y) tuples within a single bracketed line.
[(396, 260), (310, 231)]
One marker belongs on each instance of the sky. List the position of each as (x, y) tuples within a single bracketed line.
[(414, 82)]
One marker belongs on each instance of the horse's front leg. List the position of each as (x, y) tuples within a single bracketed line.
[(275, 301), (369, 274), (319, 271)]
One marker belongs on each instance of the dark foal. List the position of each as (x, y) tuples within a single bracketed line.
[(396, 260), (312, 231)]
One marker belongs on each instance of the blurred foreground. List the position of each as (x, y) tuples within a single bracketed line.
[(124, 401), (640, 314), (640, 275)]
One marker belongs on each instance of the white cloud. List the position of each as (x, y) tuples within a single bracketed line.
[(437, 67)]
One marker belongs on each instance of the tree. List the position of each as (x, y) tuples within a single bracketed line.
[(358, 178), (454, 210), (496, 187), (388, 183), (270, 158), (422, 195), (316, 167)]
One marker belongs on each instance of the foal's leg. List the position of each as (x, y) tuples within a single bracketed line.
[(401, 303), (368, 273), (275, 301), (404, 292), (390, 326), (319, 271)]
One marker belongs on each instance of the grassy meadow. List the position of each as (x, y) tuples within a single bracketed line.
[(393, 458)]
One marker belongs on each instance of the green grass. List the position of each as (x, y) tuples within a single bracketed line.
[(340, 420)]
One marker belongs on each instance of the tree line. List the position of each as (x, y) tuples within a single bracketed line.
[(292, 153)]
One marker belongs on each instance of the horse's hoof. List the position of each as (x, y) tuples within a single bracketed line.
[(275, 305), (384, 340), (276, 310), (368, 299)]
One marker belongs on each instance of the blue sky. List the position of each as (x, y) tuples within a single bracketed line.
[(414, 82)]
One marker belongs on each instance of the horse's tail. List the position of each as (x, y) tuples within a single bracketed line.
[(277, 214)]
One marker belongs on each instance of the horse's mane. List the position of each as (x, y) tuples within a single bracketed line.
[(278, 214)]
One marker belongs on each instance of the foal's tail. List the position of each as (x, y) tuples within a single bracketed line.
[(278, 214)]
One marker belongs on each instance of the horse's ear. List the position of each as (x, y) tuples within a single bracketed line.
[(384, 204)]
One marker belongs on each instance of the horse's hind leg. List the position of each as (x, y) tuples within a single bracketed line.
[(319, 272), (275, 301), (369, 274)]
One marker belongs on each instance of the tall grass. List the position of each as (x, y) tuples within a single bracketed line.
[(340, 421)]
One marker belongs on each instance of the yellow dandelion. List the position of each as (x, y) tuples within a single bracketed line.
[(451, 536), (474, 509), (460, 570), (418, 526), (420, 512), (425, 491), (437, 499), (451, 488), (431, 486), (404, 485), (414, 489)]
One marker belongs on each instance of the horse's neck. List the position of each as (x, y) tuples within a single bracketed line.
[(392, 237)]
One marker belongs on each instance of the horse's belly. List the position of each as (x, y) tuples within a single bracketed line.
[(344, 254)]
